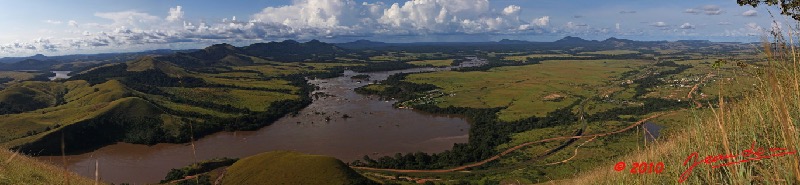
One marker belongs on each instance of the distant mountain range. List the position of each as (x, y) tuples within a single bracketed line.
[(288, 50), (314, 50), (109, 57)]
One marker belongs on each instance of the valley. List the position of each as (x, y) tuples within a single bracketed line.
[(490, 112)]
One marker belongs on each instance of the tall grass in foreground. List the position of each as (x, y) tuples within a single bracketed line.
[(20, 169), (765, 118)]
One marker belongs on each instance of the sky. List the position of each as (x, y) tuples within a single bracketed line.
[(60, 27)]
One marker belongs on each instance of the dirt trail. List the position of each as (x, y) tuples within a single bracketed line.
[(512, 149), (694, 88)]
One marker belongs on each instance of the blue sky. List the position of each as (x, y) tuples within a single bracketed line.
[(58, 27)]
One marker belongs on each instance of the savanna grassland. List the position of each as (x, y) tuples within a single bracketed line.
[(612, 89)]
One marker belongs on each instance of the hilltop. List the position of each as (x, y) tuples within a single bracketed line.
[(283, 167)]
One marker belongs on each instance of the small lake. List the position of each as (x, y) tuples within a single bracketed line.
[(653, 131), (375, 129), (60, 75)]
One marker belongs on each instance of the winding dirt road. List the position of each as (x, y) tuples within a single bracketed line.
[(512, 149), (694, 88)]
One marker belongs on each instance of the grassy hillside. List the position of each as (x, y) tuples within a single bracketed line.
[(29, 96), (524, 92), (20, 169), (762, 123), (285, 167), (144, 101)]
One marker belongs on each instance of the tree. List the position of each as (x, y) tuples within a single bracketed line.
[(788, 7)]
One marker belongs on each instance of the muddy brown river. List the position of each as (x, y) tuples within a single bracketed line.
[(375, 129)]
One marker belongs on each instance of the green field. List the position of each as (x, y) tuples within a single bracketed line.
[(523, 89), (17, 75), (248, 99), (275, 69), (610, 52), (434, 63), (525, 57)]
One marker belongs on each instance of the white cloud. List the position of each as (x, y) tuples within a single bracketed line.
[(37, 45), (175, 14), (72, 23), (511, 10), (128, 18), (707, 9), (302, 19), (659, 24), (753, 27), (315, 14), (691, 10), (749, 29), (572, 25), (687, 26), (750, 13), (543, 21), (52, 22), (411, 17), (712, 10), (724, 23)]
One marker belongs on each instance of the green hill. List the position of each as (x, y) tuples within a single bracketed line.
[(20, 169), (151, 100), (150, 63), (294, 168), (28, 96)]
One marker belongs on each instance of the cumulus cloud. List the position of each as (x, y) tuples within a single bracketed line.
[(302, 19), (52, 22), (691, 11), (411, 17), (543, 21), (687, 26), (511, 10), (40, 44), (750, 13), (175, 14)]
